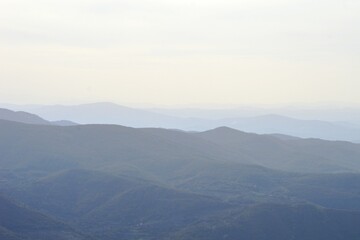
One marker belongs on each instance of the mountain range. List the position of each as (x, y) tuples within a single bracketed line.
[(98, 181), (110, 113)]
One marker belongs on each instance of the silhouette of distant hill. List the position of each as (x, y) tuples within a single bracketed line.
[(29, 118), (22, 117)]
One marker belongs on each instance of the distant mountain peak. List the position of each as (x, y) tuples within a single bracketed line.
[(225, 130), (30, 118), (20, 116)]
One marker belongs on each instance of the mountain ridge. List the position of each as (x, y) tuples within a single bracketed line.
[(261, 123)]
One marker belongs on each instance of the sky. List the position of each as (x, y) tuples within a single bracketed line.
[(180, 51)]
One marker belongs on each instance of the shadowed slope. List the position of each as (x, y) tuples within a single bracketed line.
[(274, 221), (112, 207), (20, 223)]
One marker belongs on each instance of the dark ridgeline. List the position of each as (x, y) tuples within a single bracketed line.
[(113, 182)]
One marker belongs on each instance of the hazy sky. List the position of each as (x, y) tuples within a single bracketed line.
[(180, 51)]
